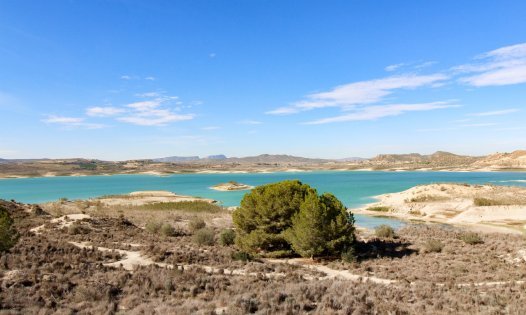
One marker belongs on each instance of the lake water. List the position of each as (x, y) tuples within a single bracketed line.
[(353, 188)]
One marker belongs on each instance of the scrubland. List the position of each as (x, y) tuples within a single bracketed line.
[(77, 264)]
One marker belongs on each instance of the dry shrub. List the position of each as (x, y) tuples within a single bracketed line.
[(196, 224), (153, 226), (432, 246), (384, 231), (471, 238), (167, 230), (204, 236)]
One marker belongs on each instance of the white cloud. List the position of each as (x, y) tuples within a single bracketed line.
[(148, 94), (497, 112), (152, 113), (503, 66), (360, 93), (212, 55), (380, 111), (154, 119), (71, 122), (150, 78), (126, 77), (103, 111), (250, 122), (53, 119), (394, 67)]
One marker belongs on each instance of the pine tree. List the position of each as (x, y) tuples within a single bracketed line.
[(307, 234), (321, 227)]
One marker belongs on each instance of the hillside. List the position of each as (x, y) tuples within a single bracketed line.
[(439, 158), (513, 160)]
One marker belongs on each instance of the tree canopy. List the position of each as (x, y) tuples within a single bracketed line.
[(8, 234), (290, 217)]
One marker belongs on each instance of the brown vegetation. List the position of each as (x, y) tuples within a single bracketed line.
[(47, 274)]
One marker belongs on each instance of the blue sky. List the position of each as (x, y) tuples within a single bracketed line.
[(332, 79)]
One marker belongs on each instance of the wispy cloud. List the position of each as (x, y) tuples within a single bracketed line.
[(503, 66), (360, 93), (394, 67), (71, 122), (148, 94), (380, 111), (249, 122), (479, 125), (496, 112), (153, 112), (103, 111), (150, 78), (210, 128)]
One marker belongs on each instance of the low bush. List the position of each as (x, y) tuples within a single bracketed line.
[(432, 246), (153, 226), (349, 256), (196, 224), (204, 236), (167, 230), (242, 256), (227, 237), (197, 206), (384, 231), (379, 209), (485, 202), (471, 238)]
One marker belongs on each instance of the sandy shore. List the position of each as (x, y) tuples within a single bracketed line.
[(485, 208)]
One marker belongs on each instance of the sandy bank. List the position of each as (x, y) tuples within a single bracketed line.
[(231, 186), (481, 207)]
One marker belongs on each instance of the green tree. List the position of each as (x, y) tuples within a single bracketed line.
[(281, 218), (266, 213), (8, 233), (323, 226)]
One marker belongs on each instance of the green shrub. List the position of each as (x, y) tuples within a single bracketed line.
[(167, 230), (227, 237), (204, 236), (349, 255), (471, 238), (432, 246), (8, 235), (485, 202), (379, 209), (197, 206), (384, 231), (196, 224), (242, 256)]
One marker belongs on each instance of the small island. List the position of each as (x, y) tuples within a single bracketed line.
[(231, 186)]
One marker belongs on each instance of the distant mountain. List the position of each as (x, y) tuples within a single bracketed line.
[(215, 157), (275, 159), (171, 159), (352, 159)]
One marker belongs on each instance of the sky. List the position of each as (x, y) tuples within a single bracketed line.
[(124, 79)]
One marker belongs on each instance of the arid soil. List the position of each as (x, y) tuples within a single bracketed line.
[(95, 263)]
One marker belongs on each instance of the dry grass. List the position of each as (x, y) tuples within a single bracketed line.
[(48, 275)]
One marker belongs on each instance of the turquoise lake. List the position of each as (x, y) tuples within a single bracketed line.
[(354, 188)]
